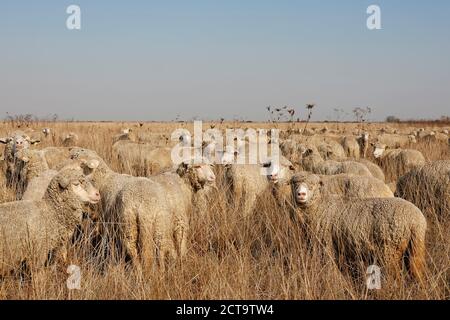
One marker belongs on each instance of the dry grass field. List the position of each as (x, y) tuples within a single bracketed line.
[(229, 257)]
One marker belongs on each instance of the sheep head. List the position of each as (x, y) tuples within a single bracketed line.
[(306, 189), (278, 171), (75, 187), (198, 175), (379, 149)]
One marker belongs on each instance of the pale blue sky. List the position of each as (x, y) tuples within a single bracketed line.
[(153, 60)]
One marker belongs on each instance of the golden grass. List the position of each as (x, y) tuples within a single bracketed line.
[(229, 257)]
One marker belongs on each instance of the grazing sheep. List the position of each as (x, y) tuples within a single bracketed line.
[(390, 229), (247, 182), (142, 159), (70, 140), (294, 150), (314, 163), (34, 232), (428, 188), (397, 162), (351, 147), (331, 150), (353, 186), (395, 140)]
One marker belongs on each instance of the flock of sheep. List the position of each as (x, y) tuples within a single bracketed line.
[(360, 195)]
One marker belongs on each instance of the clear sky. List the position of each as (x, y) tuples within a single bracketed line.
[(154, 60)]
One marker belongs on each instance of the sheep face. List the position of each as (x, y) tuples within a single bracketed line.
[(20, 142), (278, 172), (76, 183), (379, 150), (85, 192), (305, 189)]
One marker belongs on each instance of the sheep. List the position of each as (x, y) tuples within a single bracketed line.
[(363, 141), (434, 137), (33, 233), (30, 164), (13, 143), (124, 196), (387, 228), (248, 182), (331, 150), (36, 174), (314, 163), (351, 147), (70, 140), (142, 159), (397, 162), (353, 186), (294, 151), (396, 140), (151, 215), (428, 188)]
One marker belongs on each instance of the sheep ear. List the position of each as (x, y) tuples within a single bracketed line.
[(5, 140), (64, 182), (291, 167)]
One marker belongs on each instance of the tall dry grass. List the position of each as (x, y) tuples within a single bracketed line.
[(263, 256)]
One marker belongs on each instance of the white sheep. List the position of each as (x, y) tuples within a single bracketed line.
[(428, 187), (351, 147), (385, 230), (397, 162), (248, 182), (128, 203), (45, 225), (36, 174), (354, 186), (314, 163), (363, 141)]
